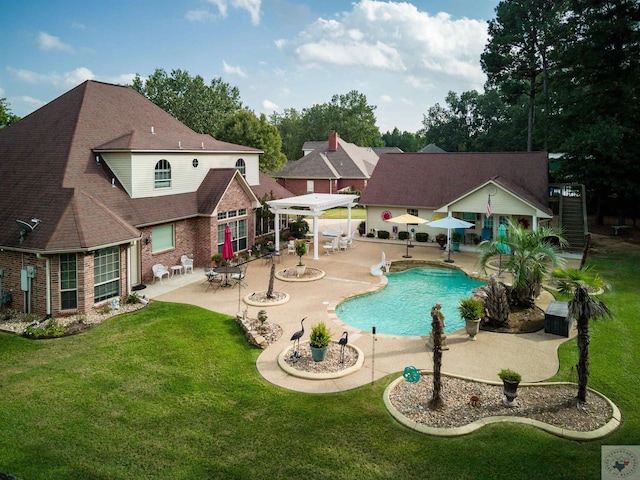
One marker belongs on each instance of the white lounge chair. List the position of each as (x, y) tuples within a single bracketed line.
[(332, 246), (187, 263), (159, 271)]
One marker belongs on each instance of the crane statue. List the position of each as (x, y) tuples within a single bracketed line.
[(343, 343), (295, 338)]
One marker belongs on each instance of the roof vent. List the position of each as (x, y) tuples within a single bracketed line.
[(113, 183), (179, 144), (202, 145), (153, 132)]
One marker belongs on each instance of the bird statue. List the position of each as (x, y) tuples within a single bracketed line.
[(295, 338), (343, 343)]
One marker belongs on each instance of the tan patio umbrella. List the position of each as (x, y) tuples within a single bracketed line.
[(407, 219)]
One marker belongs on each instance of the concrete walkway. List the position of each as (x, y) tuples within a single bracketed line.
[(534, 355)]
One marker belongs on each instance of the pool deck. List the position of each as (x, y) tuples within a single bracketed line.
[(534, 355)]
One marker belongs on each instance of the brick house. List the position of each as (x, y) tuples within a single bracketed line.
[(101, 184), (330, 166)]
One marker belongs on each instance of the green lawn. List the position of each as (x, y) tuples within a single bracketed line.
[(172, 392), (341, 214)]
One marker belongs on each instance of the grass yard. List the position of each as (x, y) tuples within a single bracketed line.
[(341, 214), (172, 392)]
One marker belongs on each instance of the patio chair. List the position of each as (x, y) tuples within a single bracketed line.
[(187, 263), (159, 271), (332, 246), (291, 247), (238, 278), (214, 280)]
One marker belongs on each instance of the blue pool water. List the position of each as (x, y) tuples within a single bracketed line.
[(403, 307)]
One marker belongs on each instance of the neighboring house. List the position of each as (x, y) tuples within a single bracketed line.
[(433, 185), (101, 184), (331, 166), (431, 148)]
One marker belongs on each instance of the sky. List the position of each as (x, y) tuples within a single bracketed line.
[(281, 54)]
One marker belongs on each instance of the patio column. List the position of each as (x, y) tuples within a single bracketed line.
[(315, 238), (277, 232)]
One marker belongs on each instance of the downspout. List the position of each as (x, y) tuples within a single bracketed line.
[(47, 282)]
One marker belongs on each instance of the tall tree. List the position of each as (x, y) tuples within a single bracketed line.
[(289, 124), (200, 107), (6, 116), (405, 141), (583, 308), (516, 59), (244, 128), (598, 100)]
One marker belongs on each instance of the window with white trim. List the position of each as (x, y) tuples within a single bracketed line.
[(412, 211), (242, 167), (106, 274), (162, 174), (162, 238), (68, 281)]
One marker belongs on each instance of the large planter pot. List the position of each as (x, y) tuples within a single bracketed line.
[(319, 354), (300, 269), (455, 246), (472, 327), (510, 391)]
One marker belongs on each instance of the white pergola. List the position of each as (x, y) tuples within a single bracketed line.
[(314, 205)]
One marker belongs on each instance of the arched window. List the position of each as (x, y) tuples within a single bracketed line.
[(242, 168), (163, 174)]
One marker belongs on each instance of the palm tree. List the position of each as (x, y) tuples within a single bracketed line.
[(534, 253), (583, 307)]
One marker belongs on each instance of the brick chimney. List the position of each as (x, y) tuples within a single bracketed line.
[(333, 141)]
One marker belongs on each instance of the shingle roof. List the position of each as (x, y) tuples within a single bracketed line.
[(348, 161), (431, 180), (48, 169)]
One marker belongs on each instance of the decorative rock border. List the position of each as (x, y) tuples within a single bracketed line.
[(281, 276), (247, 299), (252, 335), (606, 429), (319, 376)]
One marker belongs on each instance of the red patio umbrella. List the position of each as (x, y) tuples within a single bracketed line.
[(227, 247)]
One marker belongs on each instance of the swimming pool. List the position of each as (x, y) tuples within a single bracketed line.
[(403, 307)]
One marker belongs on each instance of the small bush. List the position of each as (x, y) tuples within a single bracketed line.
[(104, 310), (131, 299), (52, 329), (320, 335), (383, 234), (403, 235), (422, 237)]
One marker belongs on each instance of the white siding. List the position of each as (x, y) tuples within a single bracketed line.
[(120, 164)]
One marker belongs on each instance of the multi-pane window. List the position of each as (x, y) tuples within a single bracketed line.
[(68, 281), (106, 273), (162, 238), (242, 167), (412, 211), (163, 174), (238, 235)]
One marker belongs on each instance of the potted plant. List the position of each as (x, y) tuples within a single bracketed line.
[(456, 238), (510, 381), (319, 341), (441, 239), (472, 312), (216, 259), (301, 249), (362, 227)]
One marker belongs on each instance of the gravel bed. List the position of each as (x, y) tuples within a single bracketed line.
[(554, 404), (330, 364)]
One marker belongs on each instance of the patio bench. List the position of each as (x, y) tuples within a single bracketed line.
[(620, 229)]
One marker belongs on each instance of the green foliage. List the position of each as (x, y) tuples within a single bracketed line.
[(471, 308), (6, 116), (403, 235), (405, 141), (383, 234), (244, 128), (132, 298), (301, 249), (201, 107), (422, 237), (105, 309), (456, 236), (299, 228), (509, 375), (49, 329), (362, 226), (216, 257), (320, 335)]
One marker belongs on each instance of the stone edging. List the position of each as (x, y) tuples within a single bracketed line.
[(320, 376), (279, 276), (250, 302), (606, 429)]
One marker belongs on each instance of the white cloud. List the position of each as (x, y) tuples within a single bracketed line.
[(231, 70), (386, 98), (69, 79), (198, 15), (280, 43), (394, 36), (251, 6), (268, 106), (51, 42)]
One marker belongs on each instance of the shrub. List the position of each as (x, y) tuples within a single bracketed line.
[(403, 235), (52, 329), (422, 237), (320, 335), (471, 308), (509, 375), (383, 234), (456, 236), (131, 299), (299, 228)]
